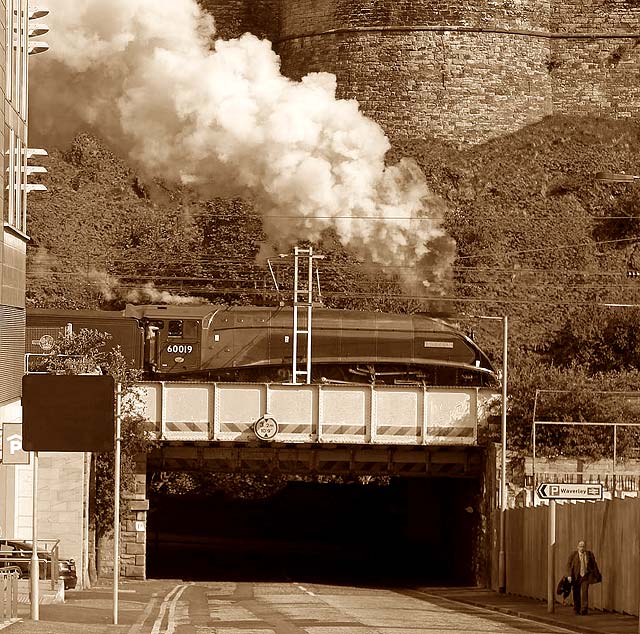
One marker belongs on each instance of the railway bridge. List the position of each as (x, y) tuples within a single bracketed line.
[(325, 429), (425, 521)]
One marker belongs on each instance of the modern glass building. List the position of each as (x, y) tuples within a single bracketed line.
[(20, 27)]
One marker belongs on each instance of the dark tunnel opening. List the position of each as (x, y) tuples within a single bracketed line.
[(404, 532)]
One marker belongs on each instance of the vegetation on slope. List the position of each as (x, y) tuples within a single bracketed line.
[(539, 239)]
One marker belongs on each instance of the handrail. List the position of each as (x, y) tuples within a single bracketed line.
[(49, 546)]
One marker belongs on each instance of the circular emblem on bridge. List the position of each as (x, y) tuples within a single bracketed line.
[(266, 427), (46, 342)]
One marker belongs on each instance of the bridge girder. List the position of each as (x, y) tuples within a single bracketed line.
[(325, 459)]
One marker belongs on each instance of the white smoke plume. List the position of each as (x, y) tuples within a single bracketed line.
[(150, 77), (111, 288)]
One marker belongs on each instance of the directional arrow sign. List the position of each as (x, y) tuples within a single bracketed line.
[(557, 491)]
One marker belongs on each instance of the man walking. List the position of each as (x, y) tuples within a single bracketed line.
[(582, 569)]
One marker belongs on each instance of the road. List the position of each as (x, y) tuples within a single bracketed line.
[(229, 607)]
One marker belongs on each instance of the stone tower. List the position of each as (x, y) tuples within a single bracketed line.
[(459, 70)]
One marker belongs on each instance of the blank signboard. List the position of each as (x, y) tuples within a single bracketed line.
[(67, 413)]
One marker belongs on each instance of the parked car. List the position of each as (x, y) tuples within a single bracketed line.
[(18, 553)]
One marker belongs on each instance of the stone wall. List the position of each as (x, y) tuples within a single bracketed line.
[(459, 70), (133, 533), (301, 17), (459, 86), (235, 17), (594, 16), (61, 478), (133, 549)]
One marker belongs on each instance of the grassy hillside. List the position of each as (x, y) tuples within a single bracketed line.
[(530, 221)]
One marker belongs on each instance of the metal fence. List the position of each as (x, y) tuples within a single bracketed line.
[(48, 558), (612, 482), (9, 593)]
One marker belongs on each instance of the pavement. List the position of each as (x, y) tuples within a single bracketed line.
[(91, 611), (596, 622)]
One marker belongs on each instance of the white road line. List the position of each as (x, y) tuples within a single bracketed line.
[(171, 619), (305, 590), (137, 626), (163, 607)]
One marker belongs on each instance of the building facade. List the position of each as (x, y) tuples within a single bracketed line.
[(19, 29)]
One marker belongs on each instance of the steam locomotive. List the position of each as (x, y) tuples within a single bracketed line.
[(255, 344)]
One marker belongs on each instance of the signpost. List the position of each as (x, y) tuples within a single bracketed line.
[(71, 413), (553, 491), (570, 491)]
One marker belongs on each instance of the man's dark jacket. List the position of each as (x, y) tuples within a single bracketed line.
[(592, 574)]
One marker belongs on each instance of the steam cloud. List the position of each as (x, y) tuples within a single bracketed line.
[(111, 288), (150, 78)]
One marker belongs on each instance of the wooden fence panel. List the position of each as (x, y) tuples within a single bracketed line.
[(611, 530), (525, 541)]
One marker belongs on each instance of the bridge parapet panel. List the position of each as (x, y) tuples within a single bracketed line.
[(350, 414)]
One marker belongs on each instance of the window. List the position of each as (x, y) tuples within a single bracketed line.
[(8, 44), (14, 159), (175, 328), (15, 151)]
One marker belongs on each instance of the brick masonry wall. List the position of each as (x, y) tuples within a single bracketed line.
[(595, 16), (596, 77)]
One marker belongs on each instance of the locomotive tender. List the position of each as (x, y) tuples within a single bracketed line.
[(254, 344)]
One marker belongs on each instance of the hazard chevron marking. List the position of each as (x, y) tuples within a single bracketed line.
[(292, 428), (448, 432), (346, 430), (197, 427), (283, 428), (393, 430), (234, 427)]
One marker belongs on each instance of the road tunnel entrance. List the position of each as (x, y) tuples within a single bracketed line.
[(364, 530)]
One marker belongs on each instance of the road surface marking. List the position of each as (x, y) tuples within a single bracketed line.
[(170, 599)]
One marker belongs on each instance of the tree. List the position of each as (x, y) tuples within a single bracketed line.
[(84, 352), (571, 394), (599, 339)]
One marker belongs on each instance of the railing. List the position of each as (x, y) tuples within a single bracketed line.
[(9, 593), (612, 482), (349, 414), (8, 560)]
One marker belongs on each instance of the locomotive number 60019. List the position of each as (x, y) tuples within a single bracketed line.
[(179, 349)]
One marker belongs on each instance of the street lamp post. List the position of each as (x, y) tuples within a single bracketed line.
[(502, 571)]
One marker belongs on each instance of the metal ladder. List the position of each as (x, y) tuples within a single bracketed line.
[(302, 309)]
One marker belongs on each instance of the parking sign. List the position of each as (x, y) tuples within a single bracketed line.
[(12, 451)]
